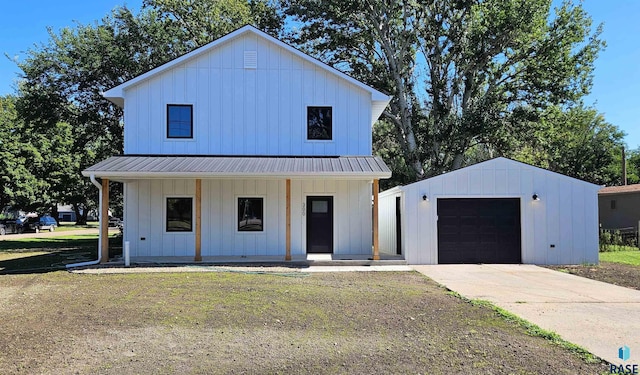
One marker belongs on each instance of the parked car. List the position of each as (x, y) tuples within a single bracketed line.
[(36, 224), (9, 226), (115, 222)]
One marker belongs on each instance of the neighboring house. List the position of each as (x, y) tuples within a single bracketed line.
[(246, 147), (66, 213), (497, 211), (619, 206)]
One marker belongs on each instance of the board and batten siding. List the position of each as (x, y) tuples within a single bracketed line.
[(146, 201), (565, 216), (387, 231), (238, 111)]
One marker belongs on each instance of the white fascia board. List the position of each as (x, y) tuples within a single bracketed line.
[(118, 92), (293, 175), (393, 191)]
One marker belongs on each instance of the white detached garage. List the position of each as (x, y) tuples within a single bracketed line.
[(497, 211)]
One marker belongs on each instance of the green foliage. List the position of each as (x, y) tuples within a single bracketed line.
[(468, 78), (19, 187), (577, 142), (199, 22), (60, 95), (633, 166), (617, 240)]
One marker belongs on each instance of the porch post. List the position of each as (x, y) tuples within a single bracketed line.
[(288, 224), (376, 254), (104, 221), (198, 257)]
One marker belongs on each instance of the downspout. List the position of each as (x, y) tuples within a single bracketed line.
[(92, 262)]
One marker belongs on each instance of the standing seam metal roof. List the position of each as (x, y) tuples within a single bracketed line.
[(234, 166)]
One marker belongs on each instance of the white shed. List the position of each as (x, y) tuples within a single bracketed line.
[(497, 211)]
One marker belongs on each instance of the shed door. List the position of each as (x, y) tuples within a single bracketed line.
[(479, 230)]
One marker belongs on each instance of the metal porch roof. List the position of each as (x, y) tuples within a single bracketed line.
[(145, 167)]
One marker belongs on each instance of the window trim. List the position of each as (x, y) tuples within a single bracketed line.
[(166, 136), (166, 216), (306, 123), (237, 208)]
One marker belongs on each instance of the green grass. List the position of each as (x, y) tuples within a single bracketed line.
[(631, 257), (34, 255), (610, 248), (67, 226)]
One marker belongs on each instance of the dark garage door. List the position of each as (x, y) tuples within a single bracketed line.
[(479, 230)]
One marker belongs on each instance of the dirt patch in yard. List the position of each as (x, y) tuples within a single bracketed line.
[(220, 322), (613, 273)]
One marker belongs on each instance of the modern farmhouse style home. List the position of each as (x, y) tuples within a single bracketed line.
[(246, 147), (497, 211)]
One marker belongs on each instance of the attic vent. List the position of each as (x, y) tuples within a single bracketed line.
[(250, 59)]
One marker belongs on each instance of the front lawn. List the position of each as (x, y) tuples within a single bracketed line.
[(45, 254), (624, 257), (69, 226), (237, 323), (616, 267)]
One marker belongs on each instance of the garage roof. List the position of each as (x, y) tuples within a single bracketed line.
[(144, 167), (635, 188)]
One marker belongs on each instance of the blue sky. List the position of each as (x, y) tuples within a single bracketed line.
[(616, 83)]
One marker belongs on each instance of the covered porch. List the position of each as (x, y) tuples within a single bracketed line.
[(216, 188)]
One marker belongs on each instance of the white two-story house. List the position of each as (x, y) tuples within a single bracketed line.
[(246, 147)]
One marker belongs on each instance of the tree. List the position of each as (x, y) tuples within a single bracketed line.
[(63, 80), (633, 166), (200, 22), (18, 185), (577, 142), (463, 74)]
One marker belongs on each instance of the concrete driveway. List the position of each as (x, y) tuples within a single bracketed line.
[(598, 316)]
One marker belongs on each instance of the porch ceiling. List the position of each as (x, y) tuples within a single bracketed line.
[(170, 166)]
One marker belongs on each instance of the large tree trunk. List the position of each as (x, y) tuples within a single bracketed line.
[(54, 212), (81, 218)]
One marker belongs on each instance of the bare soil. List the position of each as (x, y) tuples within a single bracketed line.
[(613, 273), (281, 323)]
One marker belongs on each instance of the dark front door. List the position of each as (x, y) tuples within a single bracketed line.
[(482, 230), (319, 224), (398, 227)]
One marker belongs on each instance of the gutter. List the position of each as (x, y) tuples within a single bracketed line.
[(92, 262)]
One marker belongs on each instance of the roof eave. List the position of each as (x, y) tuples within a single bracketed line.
[(205, 175), (618, 192)]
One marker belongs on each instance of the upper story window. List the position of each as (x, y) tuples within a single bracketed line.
[(179, 121), (319, 123)]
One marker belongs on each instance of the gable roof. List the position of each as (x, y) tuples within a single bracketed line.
[(625, 189), (505, 162), (116, 94)]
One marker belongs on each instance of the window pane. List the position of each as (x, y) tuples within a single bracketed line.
[(319, 123), (179, 214), (250, 215), (179, 121), (319, 207)]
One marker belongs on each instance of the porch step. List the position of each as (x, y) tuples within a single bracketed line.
[(356, 262), (297, 261)]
